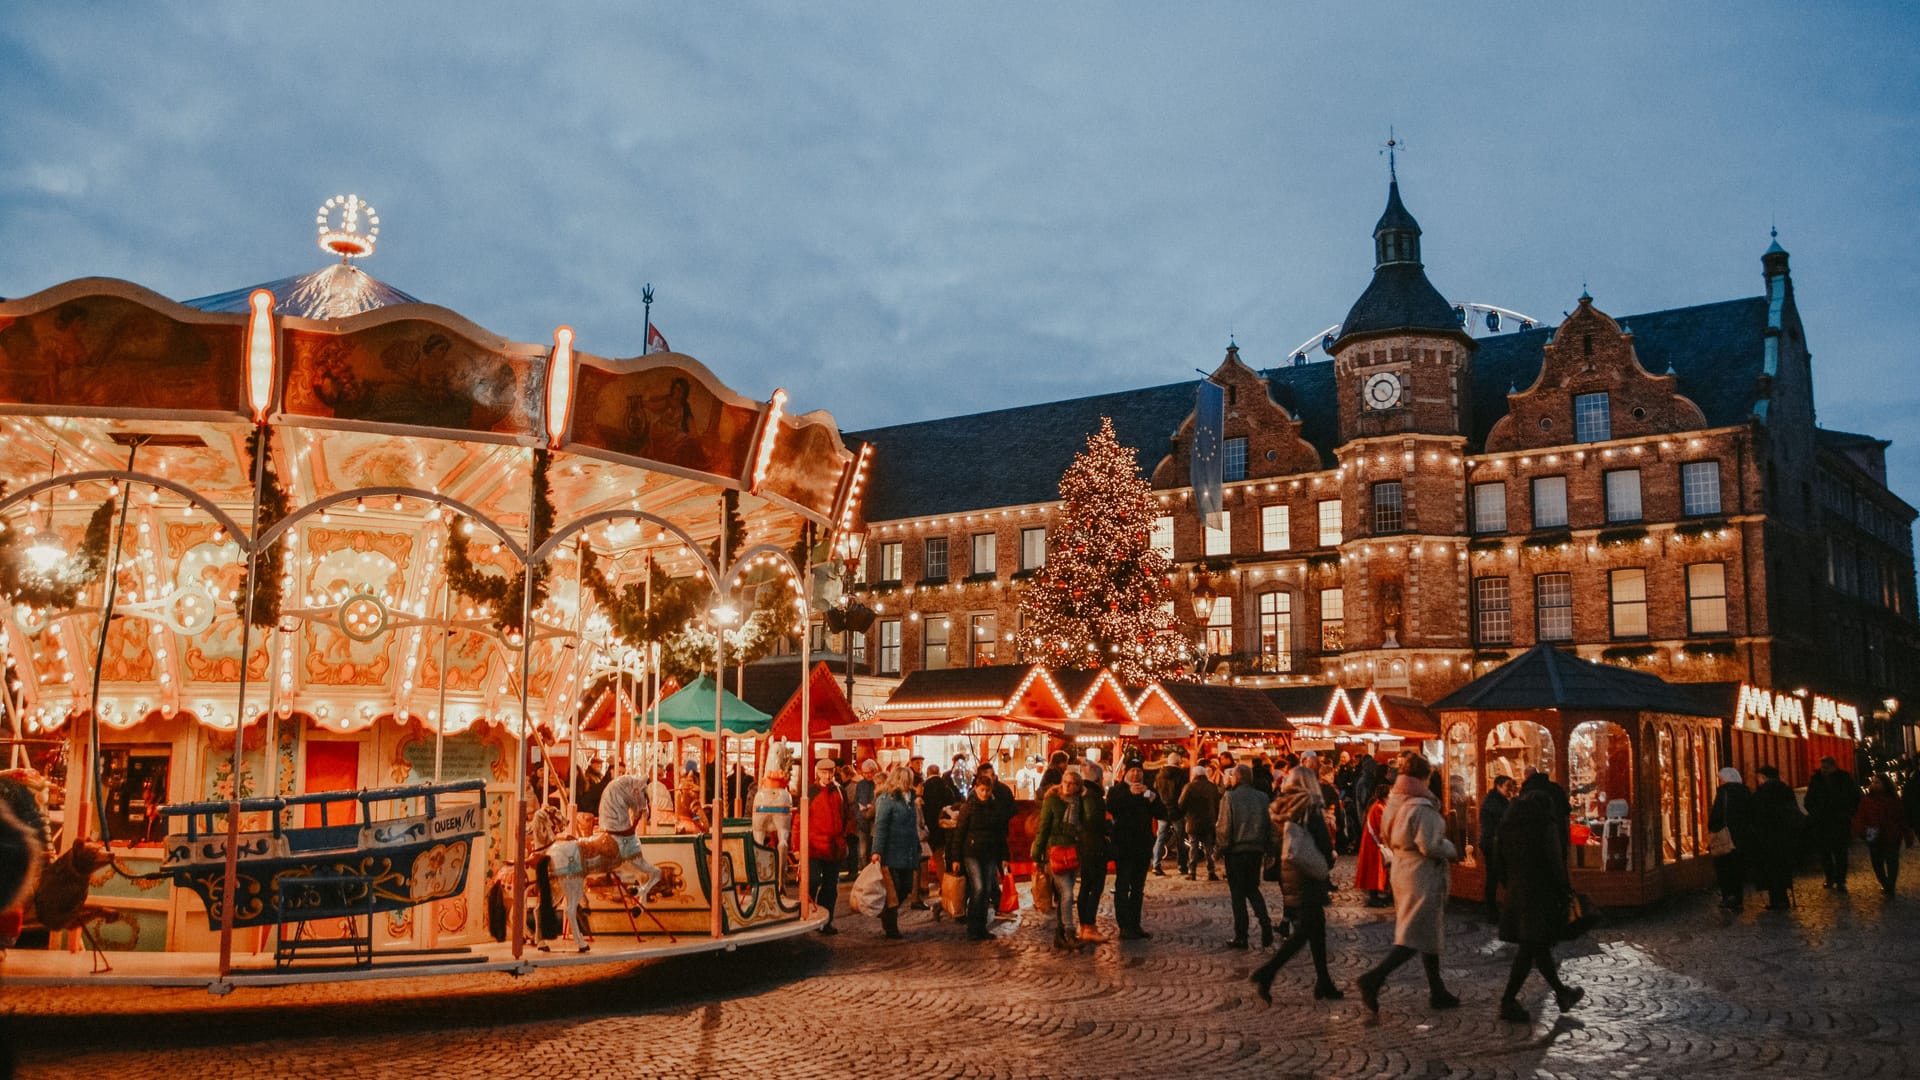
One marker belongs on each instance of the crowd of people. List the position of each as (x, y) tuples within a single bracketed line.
[(1286, 820)]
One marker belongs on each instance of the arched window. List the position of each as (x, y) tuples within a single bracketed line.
[(1600, 787), (1669, 805), (1515, 746), (1276, 631), (1684, 794), (1462, 763)]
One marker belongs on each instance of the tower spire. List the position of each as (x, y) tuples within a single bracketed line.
[(1393, 144)]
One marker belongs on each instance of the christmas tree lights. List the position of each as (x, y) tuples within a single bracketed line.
[(1102, 598)]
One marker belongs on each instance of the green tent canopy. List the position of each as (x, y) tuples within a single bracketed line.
[(690, 712)]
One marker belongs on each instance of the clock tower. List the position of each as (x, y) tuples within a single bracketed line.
[(1402, 360), (1402, 364)]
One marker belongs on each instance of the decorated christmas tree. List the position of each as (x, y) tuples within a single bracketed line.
[(1102, 597)]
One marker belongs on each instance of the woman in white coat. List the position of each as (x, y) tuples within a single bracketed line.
[(1416, 833)]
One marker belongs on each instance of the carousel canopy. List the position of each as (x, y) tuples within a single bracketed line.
[(691, 712), (1544, 677), (387, 422)]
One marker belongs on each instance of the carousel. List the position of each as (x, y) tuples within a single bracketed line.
[(311, 590)]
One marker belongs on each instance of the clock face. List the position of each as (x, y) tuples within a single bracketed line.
[(1382, 390)]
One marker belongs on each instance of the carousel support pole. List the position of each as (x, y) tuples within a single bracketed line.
[(518, 923), (232, 880), (806, 738), (440, 713), (719, 724)]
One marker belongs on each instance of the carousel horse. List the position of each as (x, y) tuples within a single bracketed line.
[(773, 803), (60, 903), (622, 808)]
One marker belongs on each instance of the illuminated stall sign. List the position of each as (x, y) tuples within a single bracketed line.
[(1774, 713)]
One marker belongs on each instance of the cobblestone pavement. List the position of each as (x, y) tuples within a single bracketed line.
[(1829, 989)]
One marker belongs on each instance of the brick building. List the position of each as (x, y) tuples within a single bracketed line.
[(1652, 490)]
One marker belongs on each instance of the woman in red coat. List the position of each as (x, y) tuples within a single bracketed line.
[(1882, 822), (1370, 869)]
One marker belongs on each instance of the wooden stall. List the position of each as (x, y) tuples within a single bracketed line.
[(1636, 755), (1209, 718)]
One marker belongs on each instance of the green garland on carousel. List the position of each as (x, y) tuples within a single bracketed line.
[(265, 612), (502, 595), (58, 587)]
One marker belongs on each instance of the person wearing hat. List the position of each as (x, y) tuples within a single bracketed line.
[(1777, 822), (1168, 783), (1136, 810), (1732, 811), (689, 811), (826, 840)]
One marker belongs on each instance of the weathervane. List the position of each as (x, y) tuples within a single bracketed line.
[(1392, 145), (345, 239)]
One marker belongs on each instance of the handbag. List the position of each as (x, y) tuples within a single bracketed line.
[(869, 892), (1063, 859), (1297, 847), (1582, 915), (1042, 890), (1720, 842), (1009, 895), (953, 894)]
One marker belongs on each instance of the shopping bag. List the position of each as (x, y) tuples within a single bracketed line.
[(1042, 890), (1582, 915), (1720, 842), (869, 893), (953, 894), (1009, 895)]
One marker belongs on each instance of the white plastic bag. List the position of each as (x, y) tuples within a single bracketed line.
[(869, 893)]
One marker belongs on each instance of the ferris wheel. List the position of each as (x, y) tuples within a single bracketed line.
[(1478, 320)]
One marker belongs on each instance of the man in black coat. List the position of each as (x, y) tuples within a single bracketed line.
[(1136, 811), (1168, 783), (1832, 797), (1777, 821), (1003, 806), (1493, 808)]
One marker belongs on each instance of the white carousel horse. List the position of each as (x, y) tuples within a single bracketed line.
[(623, 808), (773, 802)]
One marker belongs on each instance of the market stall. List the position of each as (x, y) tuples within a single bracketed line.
[(1208, 718), (1636, 755)]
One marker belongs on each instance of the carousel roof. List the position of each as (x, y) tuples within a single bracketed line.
[(1544, 677), (388, 422), (335, 292)]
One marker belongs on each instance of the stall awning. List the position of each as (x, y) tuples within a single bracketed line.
[(691, 712), (1544, 677), (975, 726)]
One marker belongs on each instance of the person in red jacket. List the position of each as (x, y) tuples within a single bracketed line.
[(826, 840), (1882, 822), (1370, 871)]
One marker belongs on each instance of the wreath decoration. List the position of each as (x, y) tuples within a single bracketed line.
[(265, 612), (58, 587), (502, 594)]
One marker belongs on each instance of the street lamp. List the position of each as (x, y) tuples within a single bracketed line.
[(852, 617), (1203, 598)]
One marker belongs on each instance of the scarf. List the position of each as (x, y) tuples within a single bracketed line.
[(1408, 789)]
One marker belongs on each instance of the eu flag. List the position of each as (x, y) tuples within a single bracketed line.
[(1204, 468)]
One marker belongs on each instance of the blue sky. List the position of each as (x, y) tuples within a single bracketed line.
[(905, 211)]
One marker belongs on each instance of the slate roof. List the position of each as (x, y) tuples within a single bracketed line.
[(1544, 677), (1011, 457), (1399, 298)]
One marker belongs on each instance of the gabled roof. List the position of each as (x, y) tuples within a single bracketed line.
[(1212, 708), (1013, 457), (1715, 351), (1027, 692), (1544, 677), (773, 686)]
